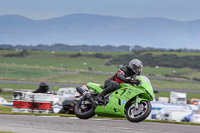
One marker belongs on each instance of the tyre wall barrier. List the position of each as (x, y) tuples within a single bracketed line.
[(32, 102)]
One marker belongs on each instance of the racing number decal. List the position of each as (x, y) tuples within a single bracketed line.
[(123, 101), (135, 91)]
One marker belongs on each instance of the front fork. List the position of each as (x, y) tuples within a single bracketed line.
[(138, 100), (136, 103)]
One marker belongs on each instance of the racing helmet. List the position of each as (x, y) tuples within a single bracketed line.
[(135, 66), (44, 85)]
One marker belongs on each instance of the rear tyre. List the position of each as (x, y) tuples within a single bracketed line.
[(134, 114), (84, 109)]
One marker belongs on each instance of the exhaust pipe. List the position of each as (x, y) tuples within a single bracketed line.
[(86, 94), (83, 92), (80, 90)]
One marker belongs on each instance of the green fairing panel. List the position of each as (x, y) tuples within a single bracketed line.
[(147, 85), (132, 91), (114, 108), (119, 98), (94, 87), (142, 89), (141, 99)]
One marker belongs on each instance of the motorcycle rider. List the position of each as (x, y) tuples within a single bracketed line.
[(125, 74), (43, 88)]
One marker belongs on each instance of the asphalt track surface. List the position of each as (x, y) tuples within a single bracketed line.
[(47, 124)]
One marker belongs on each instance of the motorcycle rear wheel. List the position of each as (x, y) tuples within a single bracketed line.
[(84, 111), (134, 114)]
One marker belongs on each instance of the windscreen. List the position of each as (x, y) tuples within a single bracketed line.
[(146, 79)]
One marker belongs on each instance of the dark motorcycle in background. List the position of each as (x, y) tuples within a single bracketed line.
[(65, 100), (69, 104)]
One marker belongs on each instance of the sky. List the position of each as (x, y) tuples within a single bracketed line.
[(184, 10)]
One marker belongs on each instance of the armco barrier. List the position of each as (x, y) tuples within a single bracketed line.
[(22, 110)]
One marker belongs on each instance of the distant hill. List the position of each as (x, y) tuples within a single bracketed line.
[(65, 47), (100, 30)]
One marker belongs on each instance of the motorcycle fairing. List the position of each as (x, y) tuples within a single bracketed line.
[(119, 98)]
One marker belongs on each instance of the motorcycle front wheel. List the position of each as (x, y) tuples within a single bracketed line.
[(84, 109), (135, 114)]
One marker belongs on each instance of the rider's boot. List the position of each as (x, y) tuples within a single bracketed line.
[(100, 98)]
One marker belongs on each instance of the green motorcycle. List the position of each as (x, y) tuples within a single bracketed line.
[(132, 102)]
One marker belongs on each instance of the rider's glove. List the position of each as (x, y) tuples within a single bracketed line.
[(137, 82), (128, 79)]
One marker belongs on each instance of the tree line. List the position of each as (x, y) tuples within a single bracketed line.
[(164, 60), (65, 47), (91, 48)]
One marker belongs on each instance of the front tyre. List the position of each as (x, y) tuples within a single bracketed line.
[(134, 114), (84, 109)]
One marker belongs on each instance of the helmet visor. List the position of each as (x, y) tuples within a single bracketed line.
[(139, 69)]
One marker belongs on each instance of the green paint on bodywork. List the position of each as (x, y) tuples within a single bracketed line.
[(119, 98), (94, 87)]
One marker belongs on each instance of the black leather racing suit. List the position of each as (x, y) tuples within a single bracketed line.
[(43, 89), (113, 82)]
